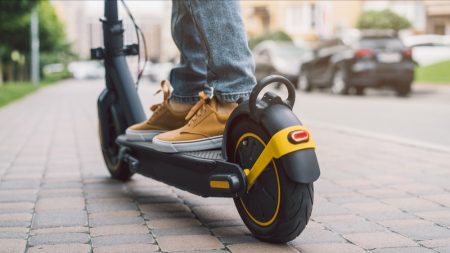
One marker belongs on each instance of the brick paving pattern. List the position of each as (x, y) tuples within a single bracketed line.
[(56, 195)]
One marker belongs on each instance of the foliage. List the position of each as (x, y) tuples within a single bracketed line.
[(276, 36), (435, 73), (10, 92), (15, 19), (385, 19), (52, 37)]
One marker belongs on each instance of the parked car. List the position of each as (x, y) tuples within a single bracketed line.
[(429, 48), (367, 61), (282, 58), (86, 70)]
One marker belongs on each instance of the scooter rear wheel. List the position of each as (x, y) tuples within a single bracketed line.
[(275, 209)]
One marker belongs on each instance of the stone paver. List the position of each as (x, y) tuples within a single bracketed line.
[(56, 195), (330, 248), (181, 231), (16, 207), (108, 221), (119, 230), (12, 245), (443, 250), (188, 242), (108, 240), (379, 240), (434, 243), (58, 238), (57, 204), (127, 248), (404, 250), (66, 248), (260, 248), (60, 219)]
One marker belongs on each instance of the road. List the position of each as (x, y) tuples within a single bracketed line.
[(424, 117)]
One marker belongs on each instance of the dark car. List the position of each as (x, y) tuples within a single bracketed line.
[(368, 61), (282, 58)]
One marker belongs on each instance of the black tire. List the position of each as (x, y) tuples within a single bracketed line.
[(272, 191), (303, 82), (339, 85), (403, 89), (110, 149)]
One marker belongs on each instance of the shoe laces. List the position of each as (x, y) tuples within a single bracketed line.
[(198, 109), (165, 89)]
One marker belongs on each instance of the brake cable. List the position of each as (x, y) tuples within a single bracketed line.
[(139, 34)]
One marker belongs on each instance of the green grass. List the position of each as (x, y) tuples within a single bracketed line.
[(10, 92), (435, 73)]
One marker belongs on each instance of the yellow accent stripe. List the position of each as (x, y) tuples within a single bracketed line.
[(219, 184), (278, 146), (271, 220)]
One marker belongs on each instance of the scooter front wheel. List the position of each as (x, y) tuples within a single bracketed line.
[(108, 132), (275, 209)]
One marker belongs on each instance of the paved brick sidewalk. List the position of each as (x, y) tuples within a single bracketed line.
[(56, 196)]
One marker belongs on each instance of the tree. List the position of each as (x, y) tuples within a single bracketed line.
[(385, 19), (14, 18), (15, 31), (276, 36)]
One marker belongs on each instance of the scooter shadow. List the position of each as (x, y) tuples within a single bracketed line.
[(169, 211)]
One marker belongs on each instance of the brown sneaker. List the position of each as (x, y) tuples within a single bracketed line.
[(164, 118), (204, 130)]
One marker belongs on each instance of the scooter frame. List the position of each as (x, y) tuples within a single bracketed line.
[(205, 173)]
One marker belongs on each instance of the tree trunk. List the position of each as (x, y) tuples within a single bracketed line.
[(1, 72), (10, 72)]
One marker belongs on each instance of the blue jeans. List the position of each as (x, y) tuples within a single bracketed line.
[(215, 56)]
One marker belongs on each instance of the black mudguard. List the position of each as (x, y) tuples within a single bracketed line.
[(300, 166)]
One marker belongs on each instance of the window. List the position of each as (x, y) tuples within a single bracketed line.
[(293, 20)]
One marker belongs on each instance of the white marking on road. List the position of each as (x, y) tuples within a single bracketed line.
[(373, 135)]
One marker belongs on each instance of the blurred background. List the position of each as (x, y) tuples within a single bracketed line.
[(381, 49), (283, 35)]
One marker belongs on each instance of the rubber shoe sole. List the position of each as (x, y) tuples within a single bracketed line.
[(142, 135), (187, 146)]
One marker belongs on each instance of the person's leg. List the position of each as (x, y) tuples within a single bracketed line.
[(230, 63), (230, 69), (189, 77)]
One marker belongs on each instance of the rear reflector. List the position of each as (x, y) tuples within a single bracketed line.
[(407, 53), (363, 52), (298, 136)]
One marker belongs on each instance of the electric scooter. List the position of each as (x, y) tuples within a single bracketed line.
[(267, 162)]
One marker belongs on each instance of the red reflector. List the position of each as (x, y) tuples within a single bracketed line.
[(407, 53), (363, 52), (298, 136)]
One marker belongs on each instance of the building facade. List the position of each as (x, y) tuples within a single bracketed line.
[(438, 17), (84, 29), (302, 20)]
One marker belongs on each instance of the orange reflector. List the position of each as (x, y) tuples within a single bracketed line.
[(298, 136), (219, 184)]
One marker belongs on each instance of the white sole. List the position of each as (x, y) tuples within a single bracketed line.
[(142, 135), (187, 146)]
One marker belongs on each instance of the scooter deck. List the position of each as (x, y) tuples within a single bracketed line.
[(204, 173)]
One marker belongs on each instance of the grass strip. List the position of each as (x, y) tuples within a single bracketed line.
[(10, 92), (435, 73)]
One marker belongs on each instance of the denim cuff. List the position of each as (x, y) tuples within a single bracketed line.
[(187, 99), (222, 97), (232, 96)]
